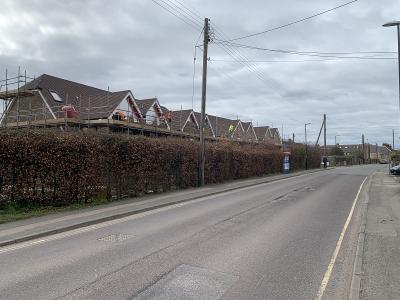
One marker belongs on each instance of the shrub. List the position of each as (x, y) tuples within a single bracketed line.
[(40, 168)]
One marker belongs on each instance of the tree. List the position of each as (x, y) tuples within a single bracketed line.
[(336, 151)]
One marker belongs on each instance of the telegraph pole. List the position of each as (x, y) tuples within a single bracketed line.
[(305, 138), (363, 147), (203, 101), (324, 135), (393, 139)]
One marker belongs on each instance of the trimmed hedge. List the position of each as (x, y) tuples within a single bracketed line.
[(44, 168)]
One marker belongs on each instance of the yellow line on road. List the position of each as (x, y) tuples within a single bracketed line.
[(328, 272)]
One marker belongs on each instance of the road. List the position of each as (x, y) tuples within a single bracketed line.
[(271, 241)]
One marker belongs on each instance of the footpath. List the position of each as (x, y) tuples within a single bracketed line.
[(37, 227), (380, 255)]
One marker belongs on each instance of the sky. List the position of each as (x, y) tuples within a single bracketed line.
[(139, 45)]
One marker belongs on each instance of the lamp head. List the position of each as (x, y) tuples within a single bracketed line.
[(391, 23)]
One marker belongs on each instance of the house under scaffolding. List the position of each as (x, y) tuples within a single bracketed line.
[(52, 102)]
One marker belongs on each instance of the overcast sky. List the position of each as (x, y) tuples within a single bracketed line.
[(137, 45)]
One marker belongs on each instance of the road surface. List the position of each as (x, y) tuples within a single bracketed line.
[(271, 241)]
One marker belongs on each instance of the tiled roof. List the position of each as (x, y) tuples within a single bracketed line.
[(179, 118), (246, 126), (145, 104), (221, 125), (101, 102), (275, 133), (249, 129), (261, 132), (198, 117)]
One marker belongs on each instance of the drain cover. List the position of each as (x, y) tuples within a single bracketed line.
[(118, 237)]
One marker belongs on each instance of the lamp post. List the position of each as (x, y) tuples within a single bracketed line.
[(335, 138), (305, 137), (397, 24)]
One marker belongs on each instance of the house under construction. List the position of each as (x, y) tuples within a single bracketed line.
[(48, 101)]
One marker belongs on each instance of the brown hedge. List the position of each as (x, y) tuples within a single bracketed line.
[(59, 168)]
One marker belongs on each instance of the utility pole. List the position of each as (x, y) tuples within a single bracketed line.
[(203, 101), (393, 139), (363, 147), (324, 135), (293, 137), (305, 137)]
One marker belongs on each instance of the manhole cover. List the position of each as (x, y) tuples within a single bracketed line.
[(118, 237)]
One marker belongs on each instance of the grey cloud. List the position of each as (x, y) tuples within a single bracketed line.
[(137, 45)]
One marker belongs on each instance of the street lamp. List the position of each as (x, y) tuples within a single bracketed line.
[(305, 136), (397, 24), (335, 138)]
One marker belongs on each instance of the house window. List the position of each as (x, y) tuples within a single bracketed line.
[(56, 96)]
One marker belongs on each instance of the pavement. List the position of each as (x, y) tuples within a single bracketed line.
[(380, 271), (266, 240)]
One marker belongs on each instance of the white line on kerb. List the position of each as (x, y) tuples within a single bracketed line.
[(328, 272)]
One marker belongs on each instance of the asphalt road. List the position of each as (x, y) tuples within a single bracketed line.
[(271, 241)]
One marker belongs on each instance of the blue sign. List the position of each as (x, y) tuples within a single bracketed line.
[(286, 164)]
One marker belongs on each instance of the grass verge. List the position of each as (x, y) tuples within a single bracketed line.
[(12, 213)]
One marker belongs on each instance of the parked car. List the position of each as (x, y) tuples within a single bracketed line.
[(383, 161), (395, 170)]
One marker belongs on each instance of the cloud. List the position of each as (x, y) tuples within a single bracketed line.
[(139, 46)]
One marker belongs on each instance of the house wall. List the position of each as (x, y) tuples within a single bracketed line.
[(32, 108), (126, 108), (152, 117)]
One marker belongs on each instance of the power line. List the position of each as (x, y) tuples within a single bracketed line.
[(292, 23), (229, 50), (183, 19), (188, 13), (313, 54), (275, 61), (183, 12), (242, 58)]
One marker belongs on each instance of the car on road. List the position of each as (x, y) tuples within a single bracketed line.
[(395, 170)]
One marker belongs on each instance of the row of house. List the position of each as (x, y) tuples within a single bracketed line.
[(54, 101), (361, 153)]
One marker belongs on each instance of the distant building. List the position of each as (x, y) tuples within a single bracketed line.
[(363, 153)]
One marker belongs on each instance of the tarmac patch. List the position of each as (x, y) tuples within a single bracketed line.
[(189, 283)]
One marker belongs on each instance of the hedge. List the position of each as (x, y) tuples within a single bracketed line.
[(45, 168)]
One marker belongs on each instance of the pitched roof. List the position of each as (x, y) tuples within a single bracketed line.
[(145, 104), (261, 132), (91, 102), (221, 125), (99, 106), (246, 126), (249, 129), (179, 118), (198, 117), (275, 133)]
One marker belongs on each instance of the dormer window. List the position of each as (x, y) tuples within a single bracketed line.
[(56, 96)]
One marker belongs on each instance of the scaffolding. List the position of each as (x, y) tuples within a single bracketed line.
[(24, 106), (13, 88)]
